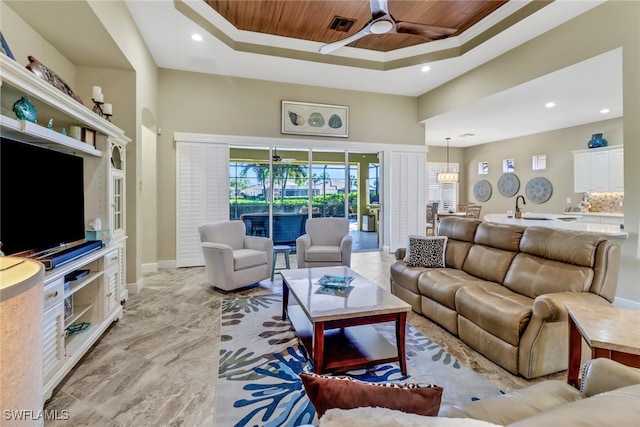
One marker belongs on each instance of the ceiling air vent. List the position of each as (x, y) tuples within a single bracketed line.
[(341, 24)]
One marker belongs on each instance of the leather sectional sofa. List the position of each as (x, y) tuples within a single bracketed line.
[(503, 288), (608, 396)]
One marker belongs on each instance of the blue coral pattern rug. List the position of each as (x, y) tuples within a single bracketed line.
[(261, 359)]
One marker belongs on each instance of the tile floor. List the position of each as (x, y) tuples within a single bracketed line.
[(158, 365)]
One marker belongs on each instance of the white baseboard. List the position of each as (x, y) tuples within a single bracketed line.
[(626, 303), (134, 288), (150, 268), (386, 248), (166, 264)]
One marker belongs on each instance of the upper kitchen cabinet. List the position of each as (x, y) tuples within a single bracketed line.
[(599, 170)]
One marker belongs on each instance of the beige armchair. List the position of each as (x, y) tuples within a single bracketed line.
[(327, 242), (232, 259)]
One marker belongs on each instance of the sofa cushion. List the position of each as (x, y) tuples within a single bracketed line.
[(495, 309), (517, 405), (426, 251), (442, 284), (572, 247), (383, 417), (247, 258), (532, 276), (614, 408), (499, 236), (323, 253), (463, 229), (326, 392), (488, 263)]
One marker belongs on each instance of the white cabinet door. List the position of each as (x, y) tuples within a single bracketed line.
[(53, 341), (616, 169), (599, 171), (591, 171), (112, 280), (581, 166)]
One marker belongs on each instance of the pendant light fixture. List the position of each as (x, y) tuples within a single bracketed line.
[(448, 177)]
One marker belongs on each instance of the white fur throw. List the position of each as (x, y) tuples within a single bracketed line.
[(382, 417)]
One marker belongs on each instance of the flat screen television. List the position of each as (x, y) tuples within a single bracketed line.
[(41, 197)]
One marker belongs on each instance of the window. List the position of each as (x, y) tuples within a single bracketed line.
[(445, 194)]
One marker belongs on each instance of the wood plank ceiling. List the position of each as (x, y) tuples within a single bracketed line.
[(312, 19)]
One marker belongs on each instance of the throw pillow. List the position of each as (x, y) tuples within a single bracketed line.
[(327, 392), (426, 251)]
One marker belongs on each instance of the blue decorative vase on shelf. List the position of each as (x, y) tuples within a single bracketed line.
[(25, 110), (597, 141)]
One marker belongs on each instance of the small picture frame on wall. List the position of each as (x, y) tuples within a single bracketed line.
[(539, 162), (89, 136), (508, 166), (483, 168)]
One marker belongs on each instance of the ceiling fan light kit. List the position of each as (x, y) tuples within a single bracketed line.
[(383, 23)]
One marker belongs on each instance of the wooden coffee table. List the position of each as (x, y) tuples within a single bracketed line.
[(336, 326), (609, 332)]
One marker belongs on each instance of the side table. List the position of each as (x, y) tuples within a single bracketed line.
[(280, 249), (610, 332)]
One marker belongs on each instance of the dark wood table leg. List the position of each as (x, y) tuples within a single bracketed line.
[(285, 300), (575, 353), (401, 328), (317, 348)]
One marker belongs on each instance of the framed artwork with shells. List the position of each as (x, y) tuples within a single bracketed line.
[(304, 118)]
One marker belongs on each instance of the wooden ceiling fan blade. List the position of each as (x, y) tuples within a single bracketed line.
[(429, 32), (330, 47)]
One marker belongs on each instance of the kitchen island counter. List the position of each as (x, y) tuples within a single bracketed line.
[(563, 222)]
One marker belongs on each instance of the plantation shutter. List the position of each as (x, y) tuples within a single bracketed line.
[(202, 195), (408, 205)]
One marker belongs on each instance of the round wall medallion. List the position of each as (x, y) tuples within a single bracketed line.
[(508, 184), (538, 189), (482, 190)]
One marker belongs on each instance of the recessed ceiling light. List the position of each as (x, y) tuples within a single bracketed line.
[(425, 68), (605, 111), (550, 104), (196, 37)]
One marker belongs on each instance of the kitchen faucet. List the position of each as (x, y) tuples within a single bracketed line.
[(518, 213)]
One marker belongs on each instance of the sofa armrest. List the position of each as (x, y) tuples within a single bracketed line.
[(400, 253), (601, 375), (550, 307)]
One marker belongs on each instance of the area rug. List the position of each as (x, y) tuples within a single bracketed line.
[(261, 359)]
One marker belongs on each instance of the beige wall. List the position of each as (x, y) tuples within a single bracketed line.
[(201, 103), (140, 108), (618, 25), (556, 145)]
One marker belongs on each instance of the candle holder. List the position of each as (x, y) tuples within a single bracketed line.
[(97, 107), (107, 116)]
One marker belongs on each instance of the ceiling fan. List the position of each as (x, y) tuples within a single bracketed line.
[(383, 23), (277, 159)]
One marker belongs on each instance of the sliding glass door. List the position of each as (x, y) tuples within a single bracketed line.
[(275, 190)]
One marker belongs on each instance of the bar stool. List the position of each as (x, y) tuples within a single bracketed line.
[(280, 249)]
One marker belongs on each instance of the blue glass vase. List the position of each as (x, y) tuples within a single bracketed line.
[(597, 141), (25, 110)]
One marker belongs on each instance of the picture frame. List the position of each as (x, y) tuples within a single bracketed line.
[(539, 162), (305, 118), (483, 168), (88, 136), (508, 166), (4, 47)]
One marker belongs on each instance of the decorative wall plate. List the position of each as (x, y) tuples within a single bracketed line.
[(482, 190), (538, 189), (508, 184)]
